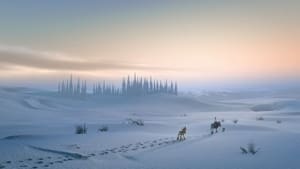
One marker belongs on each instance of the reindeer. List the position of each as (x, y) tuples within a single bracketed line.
[(181, 134), (215, 125)]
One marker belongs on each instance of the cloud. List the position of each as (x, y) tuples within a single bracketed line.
[(11, 56), (4, 67)]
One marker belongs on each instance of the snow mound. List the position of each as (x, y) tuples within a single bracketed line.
[(30, 103), (287, 105), (267, 107), (36, 103)]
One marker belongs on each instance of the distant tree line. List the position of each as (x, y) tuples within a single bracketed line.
[(145, 86), (105, 89), (131, 86), (71, 88)]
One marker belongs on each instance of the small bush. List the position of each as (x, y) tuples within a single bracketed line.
[(103, 129), (260, 118), (278, 121), (244, 151), (137, 122), (251, 149), (81, 129), (235, 121)]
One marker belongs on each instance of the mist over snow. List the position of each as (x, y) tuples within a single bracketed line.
[(37, 128)]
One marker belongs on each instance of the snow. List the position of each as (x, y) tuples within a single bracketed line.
[(37, 130)]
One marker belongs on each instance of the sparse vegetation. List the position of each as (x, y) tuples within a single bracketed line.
[(278, 121), (81, 129), (103, 129), (137, 122), (223, 129), (260, 118), (244, 151), (251, 149)]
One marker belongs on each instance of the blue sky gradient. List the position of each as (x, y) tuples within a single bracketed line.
[(195, 42)]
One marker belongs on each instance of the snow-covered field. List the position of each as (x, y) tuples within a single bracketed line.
[(37, 130)]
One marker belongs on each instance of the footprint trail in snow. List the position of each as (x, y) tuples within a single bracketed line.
[(64, 157)]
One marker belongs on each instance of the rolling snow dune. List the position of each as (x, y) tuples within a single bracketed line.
[(287, 105), (29, 106)]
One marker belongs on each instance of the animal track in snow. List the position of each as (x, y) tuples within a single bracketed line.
[(63, 157)]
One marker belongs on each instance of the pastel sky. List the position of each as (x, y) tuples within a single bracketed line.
[(185, 40)]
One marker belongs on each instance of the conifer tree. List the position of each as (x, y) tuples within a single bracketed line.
[(63, 89), (157, 86), (160, 86), (172, 88), (71, 85), (166, 87), (151, 85), (128, 85), (67, 88), (123, 86), (77, 91), (94, 89), (59, 88), (176, 88)]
